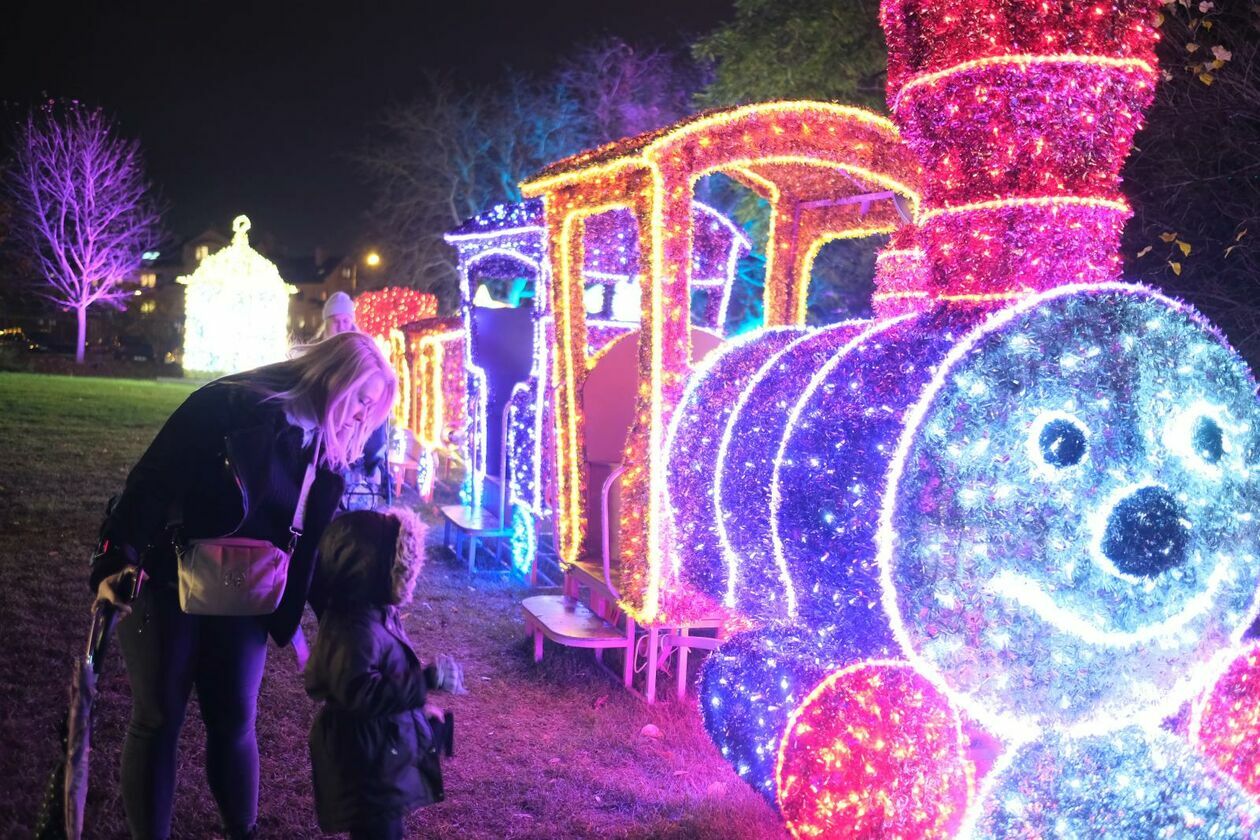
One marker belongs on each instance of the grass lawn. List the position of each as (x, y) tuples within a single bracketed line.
[(550, 751)]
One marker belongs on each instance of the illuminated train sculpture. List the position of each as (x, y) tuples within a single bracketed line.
[(1024, 493), (506, 341)]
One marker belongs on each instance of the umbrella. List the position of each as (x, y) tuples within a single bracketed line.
[(61, 814)]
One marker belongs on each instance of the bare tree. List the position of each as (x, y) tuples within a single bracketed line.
[(453, 154), (82, 207), (624, 90)]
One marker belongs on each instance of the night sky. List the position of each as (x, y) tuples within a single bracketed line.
[(257, 107)]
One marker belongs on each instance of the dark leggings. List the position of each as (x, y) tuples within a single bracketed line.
[(167, 653), (383, 828)]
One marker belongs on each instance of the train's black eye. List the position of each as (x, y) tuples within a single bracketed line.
[(1062, 442), (1207, 440)]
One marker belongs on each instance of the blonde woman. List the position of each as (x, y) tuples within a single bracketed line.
[(232, 460)]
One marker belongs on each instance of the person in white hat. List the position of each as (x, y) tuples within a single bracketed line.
[(338, 316), (371, 467)]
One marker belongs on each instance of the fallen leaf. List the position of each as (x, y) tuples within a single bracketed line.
[(1206, 78), (1144, 251), (1241, 234), (1192, 47), (651, 730), (1168, 237), (1221, 53), (1185, 248), (1176, 267)]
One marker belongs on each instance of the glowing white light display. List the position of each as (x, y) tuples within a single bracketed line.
[(236, 309)]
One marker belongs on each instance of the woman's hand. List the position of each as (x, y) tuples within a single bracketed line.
[(117, 590), (433, 710)]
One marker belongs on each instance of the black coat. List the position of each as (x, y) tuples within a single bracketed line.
[(227, 462), (372, 751)]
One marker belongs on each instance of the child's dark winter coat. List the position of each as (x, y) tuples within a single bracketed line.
[(372, 750)]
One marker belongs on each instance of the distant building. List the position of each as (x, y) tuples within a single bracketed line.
[(316, 279)]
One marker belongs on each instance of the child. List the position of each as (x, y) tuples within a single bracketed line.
[(373, 751)]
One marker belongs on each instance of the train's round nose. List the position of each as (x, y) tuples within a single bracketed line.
[(1147, 533)]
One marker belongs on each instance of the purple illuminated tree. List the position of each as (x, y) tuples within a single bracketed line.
[(623, 90), (82, 207)]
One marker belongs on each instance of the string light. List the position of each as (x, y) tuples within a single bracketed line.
[(786, 151), (744, 470), (1137, 782), (438, 379), (511, 239), (693, 442), (394, 348), (747, 689), (873, 751), (1043, 590), (1225, 722), (1022, 119), (381, 310), (236, 309)]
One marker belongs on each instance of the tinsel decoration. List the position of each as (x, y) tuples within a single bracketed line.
[(1083, 591), (695, 437), (874, 751), (1225, 724), (381, 310), (747, 689)]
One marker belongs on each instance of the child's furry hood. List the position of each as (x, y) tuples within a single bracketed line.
[(369, 557)]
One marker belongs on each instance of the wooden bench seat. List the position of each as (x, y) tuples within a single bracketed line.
[(573, 624), (474, 524), (589, 572), (477, 521)]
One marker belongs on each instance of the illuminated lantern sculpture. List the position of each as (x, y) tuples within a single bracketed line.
[(236, 309)]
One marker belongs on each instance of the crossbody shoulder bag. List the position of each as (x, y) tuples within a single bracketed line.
[(239, 575)]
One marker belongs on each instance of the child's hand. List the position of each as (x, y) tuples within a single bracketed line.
[(433, 710)]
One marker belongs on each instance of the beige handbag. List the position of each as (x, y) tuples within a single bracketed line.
[(239, 575)]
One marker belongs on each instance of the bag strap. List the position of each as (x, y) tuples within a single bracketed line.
[(299, 513)]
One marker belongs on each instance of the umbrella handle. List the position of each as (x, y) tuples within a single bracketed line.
[(104, 616)]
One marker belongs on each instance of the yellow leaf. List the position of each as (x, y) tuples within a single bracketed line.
[(1192, 47), (1206, 78), (1168, 237), (1176, 267), (1185, 248), (1144, 251), (1217, 64), (1207, 24)]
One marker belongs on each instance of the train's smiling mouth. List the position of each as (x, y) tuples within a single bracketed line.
[(1028, 593)]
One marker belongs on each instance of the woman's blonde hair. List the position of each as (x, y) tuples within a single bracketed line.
[(328, 376)]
